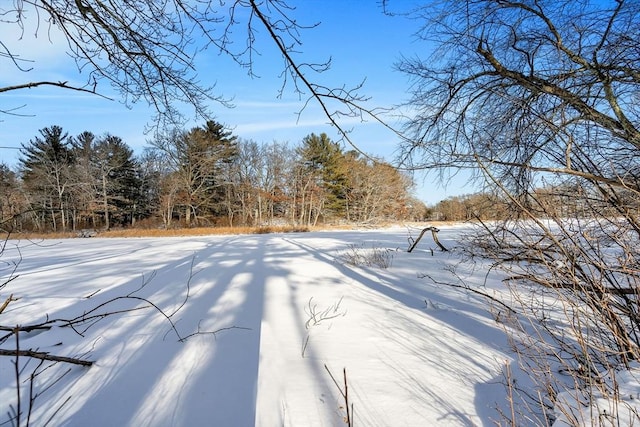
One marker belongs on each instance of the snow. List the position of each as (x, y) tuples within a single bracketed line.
[(290, 316)]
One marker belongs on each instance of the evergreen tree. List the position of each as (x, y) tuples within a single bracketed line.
[(325, 158), (200, 159), (116, 169), (85, 186), (108, 183), (150, 176), (46, 165), (216, 148)]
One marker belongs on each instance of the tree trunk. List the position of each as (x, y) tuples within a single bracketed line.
[(105, 202)]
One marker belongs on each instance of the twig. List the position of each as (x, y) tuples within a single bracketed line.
[(28, 328), (56, 411), (7, 302), (17, 371), (214, 333), (510, 391), (475, 291), (92, 293), (345, 395), (43, 356), (186, 297), (315, 317)]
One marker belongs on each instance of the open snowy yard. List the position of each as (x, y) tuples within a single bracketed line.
[(291, 315)]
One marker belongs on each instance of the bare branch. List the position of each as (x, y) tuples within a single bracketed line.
[(63, 85), (44, 356)]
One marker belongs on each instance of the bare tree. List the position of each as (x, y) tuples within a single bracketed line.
[(248, 171), (531, 94), (377, 190), (276, 182), (12, 200), (147, 50)]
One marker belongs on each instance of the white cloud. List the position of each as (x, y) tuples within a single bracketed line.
[(269, 104), (264, 126)]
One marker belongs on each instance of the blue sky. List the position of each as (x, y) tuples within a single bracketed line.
[(362, 42)]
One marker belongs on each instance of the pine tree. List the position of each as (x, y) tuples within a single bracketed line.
[(199, 160), (325, 159), (116, 169), (46, 165), (108, 182)]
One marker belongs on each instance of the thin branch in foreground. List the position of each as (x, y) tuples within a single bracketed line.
[(214, 333), (348, 419), (186, 297), (64, 85), (7, 302), (16, 364), (44, 356), (57, 410), (467, 288)]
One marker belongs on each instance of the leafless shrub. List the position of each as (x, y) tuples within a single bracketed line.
[(316, 316), (359, 255), (573, 283)]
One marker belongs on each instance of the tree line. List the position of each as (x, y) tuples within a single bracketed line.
[(204, 176), (552, 201)]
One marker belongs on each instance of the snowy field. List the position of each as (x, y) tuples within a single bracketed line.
[(291, 314)]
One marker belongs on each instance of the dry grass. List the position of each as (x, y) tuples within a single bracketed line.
[(199, 231), (178, 232)]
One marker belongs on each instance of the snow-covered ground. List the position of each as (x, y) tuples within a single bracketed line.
[(292, 316)]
